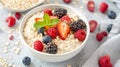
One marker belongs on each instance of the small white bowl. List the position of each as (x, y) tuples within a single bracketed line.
[(20, 10), (54, 57)]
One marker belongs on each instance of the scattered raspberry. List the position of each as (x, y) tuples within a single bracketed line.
[(11, 21), (17, 15), (80, 35), (91, 6), (52, 32), (38, 45), (99, 36), (67, 1), (93, 25), (11, 37), (104, 61), (104, 33), (48, 11), (103, 7)]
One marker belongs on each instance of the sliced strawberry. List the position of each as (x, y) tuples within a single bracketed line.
[(63, 30), (53, 17), (48, 11), (66, 19), (38, 19), (103, 7), (93, 24), (91, 6)]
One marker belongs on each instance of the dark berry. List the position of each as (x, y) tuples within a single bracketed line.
[(109, 27), (41, 30), (51, 48), (67, 1), (60, 12), (26, 61), (17, 15), (76, 25), (111, 14), (47, 39)]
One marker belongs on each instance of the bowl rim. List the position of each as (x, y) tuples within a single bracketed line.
[(59, 5), (21, 10)]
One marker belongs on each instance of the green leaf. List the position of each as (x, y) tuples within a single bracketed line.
[(53, 21), (46, 18), (39, 24)]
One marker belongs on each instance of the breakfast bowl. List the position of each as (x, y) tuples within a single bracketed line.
[(54, 32), (20, 5)]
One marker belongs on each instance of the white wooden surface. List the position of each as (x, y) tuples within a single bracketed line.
[(77, 61)]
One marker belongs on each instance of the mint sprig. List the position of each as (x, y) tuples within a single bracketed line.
[(46, 22)]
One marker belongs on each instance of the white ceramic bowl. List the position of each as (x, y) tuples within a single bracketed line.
[(20, 10), (54, 57)]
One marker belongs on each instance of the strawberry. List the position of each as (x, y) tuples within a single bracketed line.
[(99, 36), (38, 45), (11, 21), (103, 7), (17, 15), (63, 30), (38, 19), (93, 24), (48, 11), (53, 17), (80, 35), (66, 19), (91, 6), (67, 1), (104, 33)]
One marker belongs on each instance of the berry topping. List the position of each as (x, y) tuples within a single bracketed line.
[(41, 30), (17, 15), (51, 48), (48, 11), (103, 7), (11, 21), (104, 33), (111, 14), (11, 37), (93, 24), (38, 19), (52, 32), (60, 12), (109, 27), (80, 35), (38, 45), (104, 61), (26, 61), (76, 25), (91, 6), (63, 30), (47, 39), (99, 36), (67, 1), (66, 19)]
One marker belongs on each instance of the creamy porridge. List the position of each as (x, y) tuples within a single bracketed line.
[(62, 34)]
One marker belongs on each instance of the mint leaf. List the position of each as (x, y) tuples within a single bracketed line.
[(54, 21), (46, 18), (39, 24)]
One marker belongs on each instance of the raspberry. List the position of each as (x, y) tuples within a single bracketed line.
[(38, 45), (80, 35), (104, 61), (52, 32), (104, 33), (17, 15), (67, 1), (103, 7), (11, 37), (48, 11), (11, 21), (99, 36)]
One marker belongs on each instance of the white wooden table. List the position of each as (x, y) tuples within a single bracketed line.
[(8, 49)]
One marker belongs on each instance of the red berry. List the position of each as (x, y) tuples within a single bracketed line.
[(93, 24), (99, 36), (11, 21), (11, 37), (67, 1), (52, 32), (104, 33), (104, 61), (17, 15), (66, 19), (48, 11), (103, 7), (38, 45), (80, 35), (91, 6)]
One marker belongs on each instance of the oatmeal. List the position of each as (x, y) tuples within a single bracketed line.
[(20, 4), (54, 31)]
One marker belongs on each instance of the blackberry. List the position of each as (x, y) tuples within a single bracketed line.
[(60, 12), (51, 48), (76, 25)]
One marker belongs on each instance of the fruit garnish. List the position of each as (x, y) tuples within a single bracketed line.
[(52, 32), (38, 19), (103, 7), (111, 14), (26, 61), (99, 36), (63, 29), (48, 11), (41, 30), (47, 39), (66, 18), (104, 33), (46, 22), (11, 21), (109, 27), (17, 15), (93, 24), (91, 6), (67, 1), (38, 45), (11, 37)]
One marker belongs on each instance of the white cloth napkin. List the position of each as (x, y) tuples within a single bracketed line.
[(116, 2)]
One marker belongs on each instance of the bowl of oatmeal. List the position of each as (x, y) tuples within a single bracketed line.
[(54, 32), (20, 5)]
